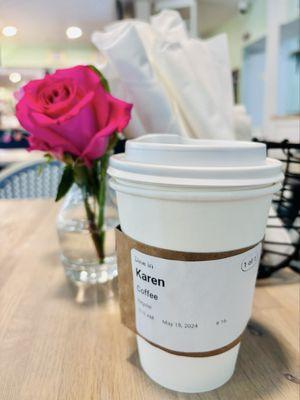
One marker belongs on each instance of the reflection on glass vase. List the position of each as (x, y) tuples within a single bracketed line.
[(78, 250)]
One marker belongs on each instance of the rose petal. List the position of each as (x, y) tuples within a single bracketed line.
[(79, 121), (46, 120), (60, 107), (30, 93), (101, 106), (98, 145), (119, 112), (44, 134), (77, 129), (84, 76)]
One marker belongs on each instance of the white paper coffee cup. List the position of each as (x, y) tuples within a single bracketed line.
[(196, 196)]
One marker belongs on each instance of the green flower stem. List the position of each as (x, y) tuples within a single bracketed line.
[(93, 228), (101, 200)]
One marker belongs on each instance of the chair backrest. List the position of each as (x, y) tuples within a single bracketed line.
[(37, 179)]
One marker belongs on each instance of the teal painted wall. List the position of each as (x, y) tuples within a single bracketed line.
[(254, 22)]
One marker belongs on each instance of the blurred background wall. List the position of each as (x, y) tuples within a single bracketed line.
[(262, 34)]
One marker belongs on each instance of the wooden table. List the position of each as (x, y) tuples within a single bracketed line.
[(58, 342)]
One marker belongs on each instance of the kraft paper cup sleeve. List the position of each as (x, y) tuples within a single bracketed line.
[(126, 294), (124, 245)]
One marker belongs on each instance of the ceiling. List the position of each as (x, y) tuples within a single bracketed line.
[(43, 22), (213, 13)]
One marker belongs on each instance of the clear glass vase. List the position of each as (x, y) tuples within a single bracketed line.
[(78, 253)]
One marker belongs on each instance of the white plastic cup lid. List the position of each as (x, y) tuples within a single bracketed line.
[(164, 159)]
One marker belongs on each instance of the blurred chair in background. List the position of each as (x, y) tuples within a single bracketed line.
[(37, 179), (281, 247)]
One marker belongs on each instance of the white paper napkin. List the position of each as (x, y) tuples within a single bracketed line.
[(177, 84)]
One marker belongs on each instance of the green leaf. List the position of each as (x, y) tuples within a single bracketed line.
[(40, 169), (81, 175), (113, 142), (66, 182), (103, 80), (48, 158), (68, 159)]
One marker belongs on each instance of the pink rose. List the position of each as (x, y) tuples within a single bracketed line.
[(70, 112)]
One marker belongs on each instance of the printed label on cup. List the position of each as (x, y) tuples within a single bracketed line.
[(193, 306)]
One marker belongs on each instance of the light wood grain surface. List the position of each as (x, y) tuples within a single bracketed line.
[(58, 342)]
